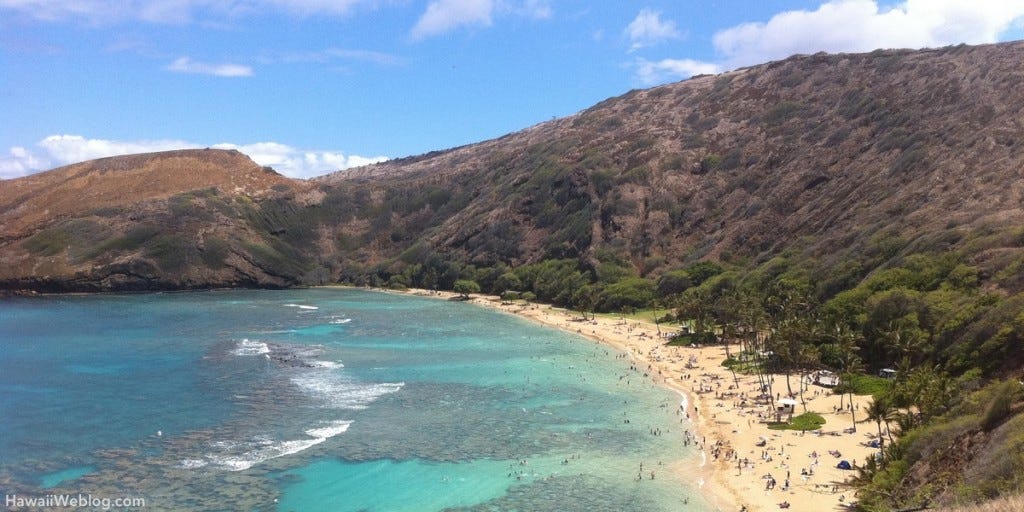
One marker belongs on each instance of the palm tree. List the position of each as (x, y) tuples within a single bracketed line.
[(847, 339), (695, 304), (881, 410), (810, 358)]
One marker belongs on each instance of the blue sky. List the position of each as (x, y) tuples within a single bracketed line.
[(313, 86)]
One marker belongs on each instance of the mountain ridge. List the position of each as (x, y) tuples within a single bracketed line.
[(817, 149), (879, 194)]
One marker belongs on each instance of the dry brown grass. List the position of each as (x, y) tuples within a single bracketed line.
[(33, 201), (1013, 504)]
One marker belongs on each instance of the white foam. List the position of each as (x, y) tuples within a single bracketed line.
[(326, 364), (271, 450), (337, 321), (300, 306), (338, 427), (340, 392), (248, 347), (192, 464)]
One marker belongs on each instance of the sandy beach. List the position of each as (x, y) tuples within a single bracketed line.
[(747, 465)]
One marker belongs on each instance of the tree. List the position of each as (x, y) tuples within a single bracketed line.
[(896, 326), (845, 339), (464, 287), (791, 321), (702, 271), (809, 358), (508, 281), (631, 292), (674, 282), (695, 305), (881, 410), (585, 299)]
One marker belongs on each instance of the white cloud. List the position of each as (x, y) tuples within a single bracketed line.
[(329, 54), (647, 29), (187, 65), (863, 25), (58, 150), (108, 12), (537, 9), (310, 7), (66, 149), (444, 15), (299, 163), (20, 162), (649, 73), (847, 26)]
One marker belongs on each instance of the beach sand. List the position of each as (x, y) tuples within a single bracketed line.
[(739, 449)]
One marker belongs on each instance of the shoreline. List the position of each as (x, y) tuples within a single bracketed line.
[(743, 463)]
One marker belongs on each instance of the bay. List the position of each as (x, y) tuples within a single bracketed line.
[(328, 399)]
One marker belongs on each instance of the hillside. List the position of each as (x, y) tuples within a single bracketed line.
[(867, 207), (828, 154), (170, 220)]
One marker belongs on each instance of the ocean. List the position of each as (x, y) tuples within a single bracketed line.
[(327, 400)]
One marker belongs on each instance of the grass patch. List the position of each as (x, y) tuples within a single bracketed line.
[(805, 421), (643, 315), (685, 340), (748, 366), (171, 252), (276, 259), (215, 252), (863, 384), (48, 242)]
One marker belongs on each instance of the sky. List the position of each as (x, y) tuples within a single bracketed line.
[(313, 86)]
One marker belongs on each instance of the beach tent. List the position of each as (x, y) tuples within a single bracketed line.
[(787, 405), (826, 378), (844, 465)]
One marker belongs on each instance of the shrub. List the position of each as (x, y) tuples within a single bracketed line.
[(632, 292), (215, 252), (464, 287), (999, 408), (781, 112), (171, 252), (710, 162), (48, 242), (674, 282)]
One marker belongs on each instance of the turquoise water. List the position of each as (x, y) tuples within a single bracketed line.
[(326, 400), (55, 478)]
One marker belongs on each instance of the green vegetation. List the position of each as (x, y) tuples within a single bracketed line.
[(994, 472), (275, 258), (48, 242), (172, 252), (780, 113), (806, 421), (826, 251), (861, 384), (215, 252), (464, 287), (710, 162), (926, 314)]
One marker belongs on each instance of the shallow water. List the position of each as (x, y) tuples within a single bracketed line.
[(326, 399)]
